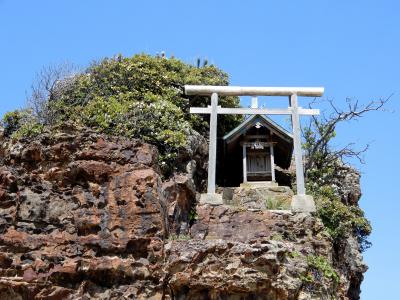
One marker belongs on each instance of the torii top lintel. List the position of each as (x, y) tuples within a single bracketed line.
[(207, 90)]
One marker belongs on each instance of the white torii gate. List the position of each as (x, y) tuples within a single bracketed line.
[(300, 202)]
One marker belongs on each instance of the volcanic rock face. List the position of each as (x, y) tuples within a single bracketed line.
[(85, 212), (85, 216)]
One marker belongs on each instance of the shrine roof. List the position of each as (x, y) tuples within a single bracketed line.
[(251, 121)]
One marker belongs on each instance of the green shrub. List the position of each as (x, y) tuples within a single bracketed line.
[(155, 121), (136, 97), (12, 121), (20, 123), (31, 129), (276, 237), (321, 265), (294, 254), (318, 268), (340, 219), (145, 77), (142, 97)]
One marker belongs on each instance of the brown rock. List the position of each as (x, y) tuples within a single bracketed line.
[(91, 170), (3, 194), (86, 216), (5, 260), (54, 293), (180, 195), (32, 153)]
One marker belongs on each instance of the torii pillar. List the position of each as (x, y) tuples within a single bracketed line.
[(300, 202)]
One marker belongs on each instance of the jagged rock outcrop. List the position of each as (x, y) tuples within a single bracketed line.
[(180, 195), (236, 254), (347, 183), (88, 216)]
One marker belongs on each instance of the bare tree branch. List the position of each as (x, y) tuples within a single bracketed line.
[(321, 130), (46, 89)]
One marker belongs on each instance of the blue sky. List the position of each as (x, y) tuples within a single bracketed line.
[(349, 47)]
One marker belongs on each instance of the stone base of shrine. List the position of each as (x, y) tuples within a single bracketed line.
[(212, 199), (255, 184), (303, 203), (262, 195)]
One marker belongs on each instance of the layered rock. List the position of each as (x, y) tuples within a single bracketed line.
[(84, 215), (81, 212)]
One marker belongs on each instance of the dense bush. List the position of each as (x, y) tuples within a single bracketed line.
[(143, 78), (141, 96), (155, 121)]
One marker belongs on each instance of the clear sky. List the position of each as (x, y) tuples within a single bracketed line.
[(351, 48)]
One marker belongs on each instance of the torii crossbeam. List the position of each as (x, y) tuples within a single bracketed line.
[(301, 201)]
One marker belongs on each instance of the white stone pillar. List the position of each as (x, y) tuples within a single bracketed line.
[(298, 157), (212, 150), (271, 150), (244, 163)]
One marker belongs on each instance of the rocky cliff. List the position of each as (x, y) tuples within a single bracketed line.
[(88, 216)]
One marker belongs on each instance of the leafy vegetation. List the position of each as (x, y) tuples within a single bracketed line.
[(321, 265), (276, 237), (318, 268), (140, 96), (20, 123), (339, 219), (319, 271), (146, 79), (294, 254)]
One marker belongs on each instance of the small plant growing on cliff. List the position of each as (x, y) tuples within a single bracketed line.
[(276, 237), (12, 121), (277, 203), (341, 220), (20, 123), (319, 270), (322, 265), (192, 215), (294, 254), (179, 237)]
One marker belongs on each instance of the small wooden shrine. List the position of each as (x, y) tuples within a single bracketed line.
[(253, 148), (256, 162)]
